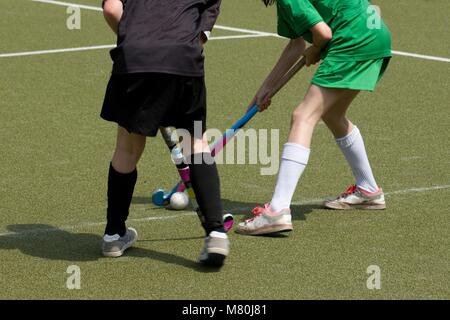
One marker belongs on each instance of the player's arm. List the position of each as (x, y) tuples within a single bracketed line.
[(290, 55), (112, 11), (321, 34), (209, 18)]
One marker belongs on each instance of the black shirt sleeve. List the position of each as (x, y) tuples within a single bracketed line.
[(209, 16)]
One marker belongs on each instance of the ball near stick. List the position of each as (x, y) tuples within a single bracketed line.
[(179, 201)]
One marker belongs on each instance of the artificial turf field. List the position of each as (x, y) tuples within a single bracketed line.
[(55, 152)]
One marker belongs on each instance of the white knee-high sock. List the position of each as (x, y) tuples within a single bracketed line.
[(352, 146), (293, 162)]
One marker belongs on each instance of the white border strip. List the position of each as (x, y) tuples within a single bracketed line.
[(68, 4), (217, 26), (387, 194), (420, 56), (32, 53), (109, 46), (91, 224), (413, 190), (254, 32), (146, 219), (241, 36)]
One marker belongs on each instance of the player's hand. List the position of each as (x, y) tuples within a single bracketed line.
[(312, 55), (262, 99)]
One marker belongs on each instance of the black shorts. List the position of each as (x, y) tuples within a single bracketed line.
[(143, 102)]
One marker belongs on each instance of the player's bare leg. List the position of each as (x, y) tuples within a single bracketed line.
[(121, 181), (275, 216), (365, 194), (129, 149)]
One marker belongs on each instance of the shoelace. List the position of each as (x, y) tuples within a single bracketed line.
[(350, 190), (257, 211)]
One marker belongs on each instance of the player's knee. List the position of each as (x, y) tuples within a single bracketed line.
[(128, 155), (335, 120), (304, 116), (331, 118), (131, 151)]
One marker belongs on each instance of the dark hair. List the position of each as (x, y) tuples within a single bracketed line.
[(268, 2)]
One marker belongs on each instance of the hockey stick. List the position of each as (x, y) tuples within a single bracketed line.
[(230, 133), (159, 198)]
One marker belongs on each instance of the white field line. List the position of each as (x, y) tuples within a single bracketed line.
[(249, 31), (89, 224), (68, 4), (146, 219), (262, 33), (420, 56), (39, 52), (413, 190), (242, 36), (387, 194), (107, 46)]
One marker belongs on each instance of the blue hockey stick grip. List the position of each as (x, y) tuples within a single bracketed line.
[(246, 118), (218, 145)]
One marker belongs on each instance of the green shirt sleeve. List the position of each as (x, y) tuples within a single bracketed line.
[(296, 17)]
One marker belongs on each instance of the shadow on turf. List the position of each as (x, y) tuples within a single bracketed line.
[(243, 209), (142, 200), (47, 242), (170, 239)]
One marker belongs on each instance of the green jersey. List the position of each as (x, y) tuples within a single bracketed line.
[(359, 33)]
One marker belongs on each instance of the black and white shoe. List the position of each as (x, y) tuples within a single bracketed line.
[(114, 246), (215, 250)]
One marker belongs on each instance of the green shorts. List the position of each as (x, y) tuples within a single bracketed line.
[(355, 75)]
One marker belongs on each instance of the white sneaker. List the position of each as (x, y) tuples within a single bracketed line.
[(114, 246), (266, 221), (357, 198), (215, 250)]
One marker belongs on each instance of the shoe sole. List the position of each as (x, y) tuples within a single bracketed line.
[(266, 230), (214, 260), (216, 257), (346, 206), (116, 254)]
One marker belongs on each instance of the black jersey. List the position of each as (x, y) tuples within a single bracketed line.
[(163, 36)]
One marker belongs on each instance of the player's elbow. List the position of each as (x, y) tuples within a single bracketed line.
[(112, 9), (322, 33), (327, 35)]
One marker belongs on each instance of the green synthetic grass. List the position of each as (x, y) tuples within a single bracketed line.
[(55, 152)]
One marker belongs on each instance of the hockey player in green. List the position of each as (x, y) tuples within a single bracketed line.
[(354, 45)]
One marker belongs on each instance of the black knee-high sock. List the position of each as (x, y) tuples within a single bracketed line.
[(206, 184), (120, 192)]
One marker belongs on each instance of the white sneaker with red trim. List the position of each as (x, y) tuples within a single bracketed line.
[(357, 198), (266, 221)]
